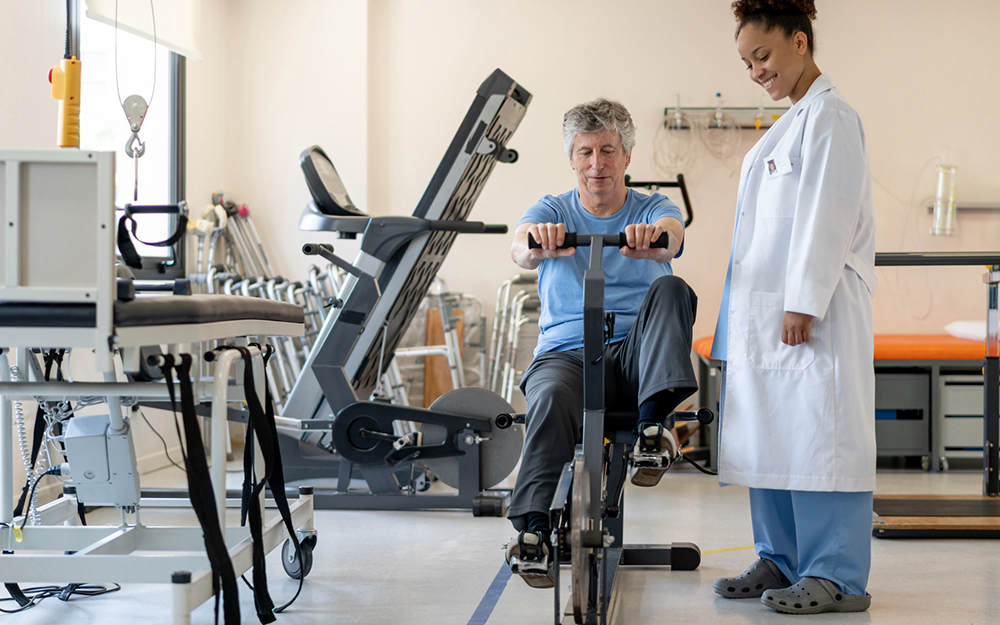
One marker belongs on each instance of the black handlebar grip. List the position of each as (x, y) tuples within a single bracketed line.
[(568, 241), (572, 240), (495, 229), (313, 249), (504, 421), (663, 241), (705, 416)]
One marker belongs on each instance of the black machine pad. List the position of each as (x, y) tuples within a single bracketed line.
[(188, 309)]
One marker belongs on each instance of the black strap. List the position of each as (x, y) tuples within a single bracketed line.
[(15, 591), (261, 428), (127, 249), (201, 491)]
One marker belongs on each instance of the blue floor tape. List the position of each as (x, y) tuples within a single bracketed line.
[(492, 596)]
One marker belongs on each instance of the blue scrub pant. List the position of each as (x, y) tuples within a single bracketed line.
[(815, 534), (812, 533)]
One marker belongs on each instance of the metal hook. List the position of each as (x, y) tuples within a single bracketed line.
[(135, 110), (136, 153)]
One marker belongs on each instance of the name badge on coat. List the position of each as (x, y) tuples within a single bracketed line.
[(778, 165)]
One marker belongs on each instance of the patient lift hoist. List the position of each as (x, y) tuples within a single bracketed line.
[(398, 260), (64, 199)]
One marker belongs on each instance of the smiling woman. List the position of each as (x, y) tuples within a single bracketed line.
[(775, 40), (797, 419)]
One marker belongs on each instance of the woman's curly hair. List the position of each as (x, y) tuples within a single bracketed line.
[(791, 16)]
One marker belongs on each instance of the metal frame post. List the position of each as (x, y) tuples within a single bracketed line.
[(991, 385), (593, 373)]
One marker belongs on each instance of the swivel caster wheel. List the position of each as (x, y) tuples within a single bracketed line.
[(297, 565)]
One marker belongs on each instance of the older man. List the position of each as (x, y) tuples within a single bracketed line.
[(649, 364)]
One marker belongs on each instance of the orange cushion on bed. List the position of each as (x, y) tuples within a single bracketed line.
[(927, 347), (703, 346), (902, 347)]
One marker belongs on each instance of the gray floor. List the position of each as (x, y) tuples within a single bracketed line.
[(434, 568)]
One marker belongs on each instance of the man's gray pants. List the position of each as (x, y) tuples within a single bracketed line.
[(654, 357)]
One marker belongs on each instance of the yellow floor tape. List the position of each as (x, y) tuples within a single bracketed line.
[(730, 549)]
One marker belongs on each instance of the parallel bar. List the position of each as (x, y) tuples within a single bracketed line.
[(912, 259), (71, 390)]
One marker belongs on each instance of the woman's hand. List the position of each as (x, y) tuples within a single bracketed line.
[(795, 328)]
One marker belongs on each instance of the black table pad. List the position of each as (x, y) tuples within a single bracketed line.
[(186, 309)]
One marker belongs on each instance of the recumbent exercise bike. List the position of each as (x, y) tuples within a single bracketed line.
[(586, 511)]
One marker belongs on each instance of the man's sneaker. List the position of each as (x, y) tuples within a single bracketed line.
[(655, 450), (528, 557)]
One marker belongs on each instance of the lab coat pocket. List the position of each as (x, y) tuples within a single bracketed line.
[(779, 188), (764, 347)]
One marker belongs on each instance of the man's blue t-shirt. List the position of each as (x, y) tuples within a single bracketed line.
[(560, 280)]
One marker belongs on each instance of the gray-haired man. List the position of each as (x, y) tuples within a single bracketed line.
[(649, 364)]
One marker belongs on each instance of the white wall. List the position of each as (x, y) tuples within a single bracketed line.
[(295, 76), (382, 85), (31, 42), (923, 77), (208, 123)]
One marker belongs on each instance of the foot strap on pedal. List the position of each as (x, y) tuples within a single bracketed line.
[(650, 439)]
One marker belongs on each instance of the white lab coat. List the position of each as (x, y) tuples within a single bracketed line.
[(803, 417)]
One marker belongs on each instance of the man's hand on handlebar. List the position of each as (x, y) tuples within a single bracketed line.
[(549, 237), (639, 236)]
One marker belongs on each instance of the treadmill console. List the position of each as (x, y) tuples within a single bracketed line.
[(327, 189)]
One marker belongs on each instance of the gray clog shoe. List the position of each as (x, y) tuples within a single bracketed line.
[(761, 576), (813, 595)]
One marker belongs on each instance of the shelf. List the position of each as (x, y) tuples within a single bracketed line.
[(745, 116), (970, 208)]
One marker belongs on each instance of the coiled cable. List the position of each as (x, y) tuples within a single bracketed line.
[(22, 442)]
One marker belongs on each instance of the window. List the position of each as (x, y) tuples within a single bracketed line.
[(104, 126)]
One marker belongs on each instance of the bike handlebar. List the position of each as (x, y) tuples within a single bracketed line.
[(575, 239)]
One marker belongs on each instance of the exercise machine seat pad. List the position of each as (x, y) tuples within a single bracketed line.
[(189, 309)]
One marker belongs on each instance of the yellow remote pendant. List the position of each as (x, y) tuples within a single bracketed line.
[(65, 79)]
